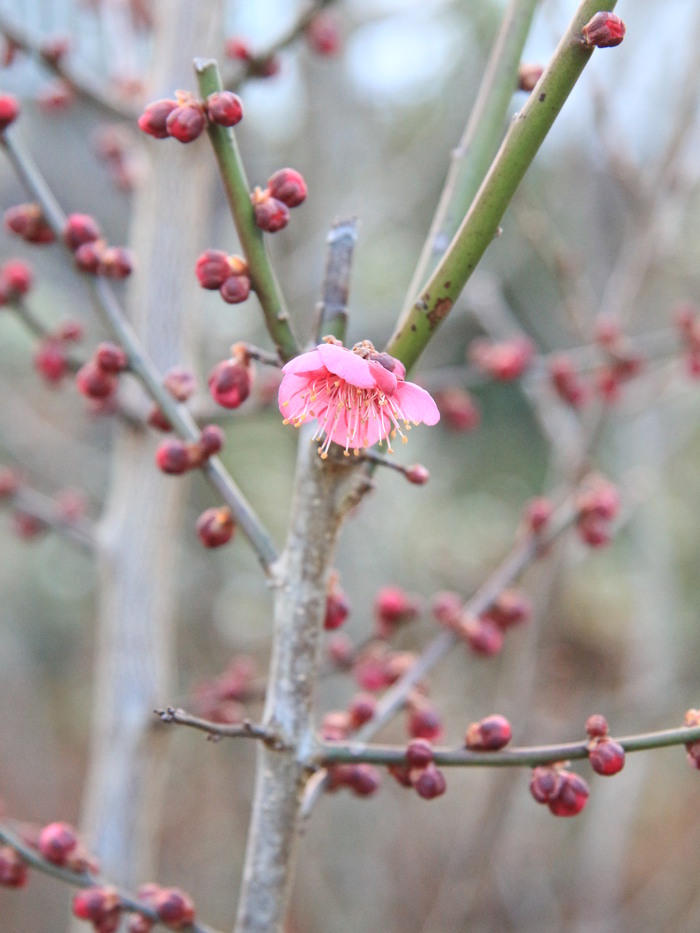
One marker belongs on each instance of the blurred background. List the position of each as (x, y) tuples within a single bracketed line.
[(605, 225)]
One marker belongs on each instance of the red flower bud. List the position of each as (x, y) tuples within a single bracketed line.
[(288, 186), (9, 110), (211, 439), (230, 382), (572, 796), (566, 381), (224, 108), (596, 726), (28, 222), (88, 256), (489, 734), (482, 635), (271, 215), (215, 527), (424, 721), (606, 756), (180, 383), (503, 361), (9, 482), (13, 871), (115, 263), (458, 409), (430, 783), (56, 842), (186, 122), (97, 904), (153, 119), (16, 276), (79, 229), (337, 608), (95, 383), (419, 753), (172, 457), (110, 358), (604, 31), (50, 360), (417, 474), (69, 331), (322, 34), (392, 607), (361, 709), (212, 268), (174, 907), (538, 512), (235, 289)]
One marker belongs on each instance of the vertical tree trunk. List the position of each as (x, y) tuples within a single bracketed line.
[(139, 531), (324, 492)]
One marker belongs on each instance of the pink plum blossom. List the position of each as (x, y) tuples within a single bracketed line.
[(359, 397)]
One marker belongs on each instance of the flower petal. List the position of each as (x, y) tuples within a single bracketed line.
[(416, 404), (304, 363), (346, 364), (384, 380)]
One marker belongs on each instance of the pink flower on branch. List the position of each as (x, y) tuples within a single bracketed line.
[(359, 397)]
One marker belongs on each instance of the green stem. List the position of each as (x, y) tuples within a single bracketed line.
[(351, 752), (479, 144), (527, 132), (237, 190)]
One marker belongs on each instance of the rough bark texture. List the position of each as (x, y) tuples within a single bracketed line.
[(138, 534), (324, 493)]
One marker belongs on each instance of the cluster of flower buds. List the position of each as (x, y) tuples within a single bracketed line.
[(175, 456), (81, 234), (230, 381), (322, 34), (9, 111), (102, 906), (285, 189), (564, 792), (394, 607), (239, 50), (688, 323), (98, 379), (361, 778), (24, 524), (28, 222), (484, 633), (185, 117), (13, 871), (458, 410), (503, 361), (419, 771), (51, 355), (228, 274), (489, 734), (222, 698), (597, 506), (621, 364), (69, 506), (605, 754), (603, 31), (15, 280)]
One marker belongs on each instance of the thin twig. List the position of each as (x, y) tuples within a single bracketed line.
[(216, 730), (332, 309), (79, 531)]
